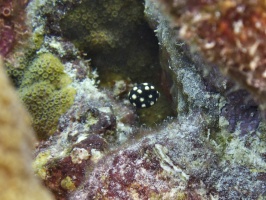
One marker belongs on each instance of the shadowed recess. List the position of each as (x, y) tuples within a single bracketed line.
[(121, 45)]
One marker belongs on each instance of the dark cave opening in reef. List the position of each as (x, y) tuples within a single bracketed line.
[(116, 37)]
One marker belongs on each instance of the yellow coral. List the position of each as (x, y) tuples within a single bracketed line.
[(46, 67), (17, 180), (100, 16), (46, 93)]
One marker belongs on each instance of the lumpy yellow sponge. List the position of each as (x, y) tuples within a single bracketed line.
[(17, 180), (46, 93)]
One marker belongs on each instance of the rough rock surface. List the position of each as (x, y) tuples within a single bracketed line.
[(213, 149), (13, 29), (230, 34)]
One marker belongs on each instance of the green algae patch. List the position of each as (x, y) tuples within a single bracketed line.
[(179, 195), (46, 93), (68, 184), (40, 162), (37, 39)]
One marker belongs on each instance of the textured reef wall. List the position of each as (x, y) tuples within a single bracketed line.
[(230, 34), (13, 27), (205, 139), (228, 115)]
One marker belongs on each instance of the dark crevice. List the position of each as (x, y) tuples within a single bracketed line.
[(121, 46)]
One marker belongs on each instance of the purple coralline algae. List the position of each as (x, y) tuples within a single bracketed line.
[(13, 28)]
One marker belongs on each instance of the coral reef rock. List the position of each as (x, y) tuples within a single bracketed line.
[(228, 33), (17, 180), (13, 27), (213, 147), (46, 93)]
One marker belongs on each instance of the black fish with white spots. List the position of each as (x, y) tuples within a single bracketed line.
[(143, 95)]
